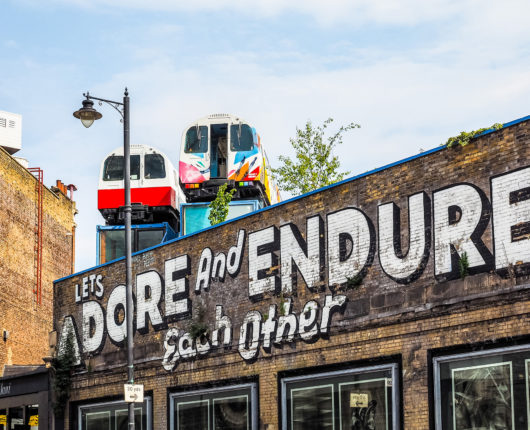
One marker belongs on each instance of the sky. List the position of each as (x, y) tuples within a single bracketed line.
[(411, 72)]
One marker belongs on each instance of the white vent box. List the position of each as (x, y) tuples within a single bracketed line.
[(10, 131)]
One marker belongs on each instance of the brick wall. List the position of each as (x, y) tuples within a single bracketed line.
[(361, 278), (27, 322)]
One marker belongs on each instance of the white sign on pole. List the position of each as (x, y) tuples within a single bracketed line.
[(134, 393)]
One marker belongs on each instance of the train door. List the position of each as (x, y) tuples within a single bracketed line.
[(218, 150)]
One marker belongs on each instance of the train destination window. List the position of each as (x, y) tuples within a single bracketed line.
[(241, 138), (196, 139), (233, 407), (114, 416), (149, 238), (483, 390), (364, 398), (113, 168), (154, 166)]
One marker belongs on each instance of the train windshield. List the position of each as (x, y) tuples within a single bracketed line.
[(113, 168), (241, 138), (196, 139), (154, 166)]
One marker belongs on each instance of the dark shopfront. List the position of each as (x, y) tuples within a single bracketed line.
[(399, 299), (25, 398)]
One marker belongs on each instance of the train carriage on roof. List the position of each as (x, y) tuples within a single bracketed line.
[(223, 148), (155, 193)]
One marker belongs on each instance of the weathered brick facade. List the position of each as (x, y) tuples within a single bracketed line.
[(461, 286), (28, 323)]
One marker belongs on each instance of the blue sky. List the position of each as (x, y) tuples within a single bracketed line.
[(411, 73)]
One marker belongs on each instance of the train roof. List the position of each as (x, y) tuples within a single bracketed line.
[(136, 149), (216, 118)]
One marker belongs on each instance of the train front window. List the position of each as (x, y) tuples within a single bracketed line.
[(196, 139), (154, 166), (113, 168), (241, 137)]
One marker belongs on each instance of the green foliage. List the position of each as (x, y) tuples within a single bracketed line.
[(463, 265), (282, 301), (63, 365), (465, 137), (198, 327), (219, 207), (315, 165), (354, 281)]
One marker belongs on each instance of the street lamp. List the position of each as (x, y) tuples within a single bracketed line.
[(87, 114)]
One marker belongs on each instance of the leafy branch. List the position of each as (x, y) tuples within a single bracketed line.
[(465, 137), (219, 207)]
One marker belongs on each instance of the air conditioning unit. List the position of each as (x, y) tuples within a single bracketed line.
[(10, 131)]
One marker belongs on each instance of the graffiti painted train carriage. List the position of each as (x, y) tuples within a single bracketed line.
[(223, 148)]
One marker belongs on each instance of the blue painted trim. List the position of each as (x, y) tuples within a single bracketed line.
[(293, 199)]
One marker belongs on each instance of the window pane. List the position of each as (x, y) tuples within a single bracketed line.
[(196, 142), (195, 218), (122, 419), (364, 404), (482, 397), (239, 210), (148, 238), (112, 245), (341, 400), (97, 421), (312, 408), (154, 166), (192, 415), (486, 390), (113, 168), (231, 413), (114, 416), (241, 138)]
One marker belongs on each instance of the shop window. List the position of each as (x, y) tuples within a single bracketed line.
[(357, 399), (114, 416), (232, 407), (483, 390)]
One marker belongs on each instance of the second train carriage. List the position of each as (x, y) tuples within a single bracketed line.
[(155, 193), (223, 148)]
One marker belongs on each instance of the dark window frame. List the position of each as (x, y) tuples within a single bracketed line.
[(460, 355), (254, 399), (319, 379), (148, 403)]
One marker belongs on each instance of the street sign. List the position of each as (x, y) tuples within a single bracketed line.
[(134, 393)]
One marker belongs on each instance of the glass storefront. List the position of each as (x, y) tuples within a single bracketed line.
[(483, 390), (21, 417), (222, 408), (114, 416), (356, 399)]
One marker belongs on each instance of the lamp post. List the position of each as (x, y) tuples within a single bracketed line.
[(87, 114)]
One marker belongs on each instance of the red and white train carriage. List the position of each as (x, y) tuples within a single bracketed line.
[(155, 192)]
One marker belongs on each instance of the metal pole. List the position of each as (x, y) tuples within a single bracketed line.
[(128, 258)]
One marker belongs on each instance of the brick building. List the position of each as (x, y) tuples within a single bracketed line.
[(36, 247), (395, 299)]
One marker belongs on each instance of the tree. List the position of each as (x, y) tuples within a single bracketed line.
[(315, 165), (219, 207)]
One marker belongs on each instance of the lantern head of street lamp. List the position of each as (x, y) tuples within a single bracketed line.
[(87, 114)]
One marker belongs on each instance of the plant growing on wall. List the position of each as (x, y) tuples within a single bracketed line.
[(314, 166), (463, 265), (198, 327), (63, 364), (465, 137), (219, 207)]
